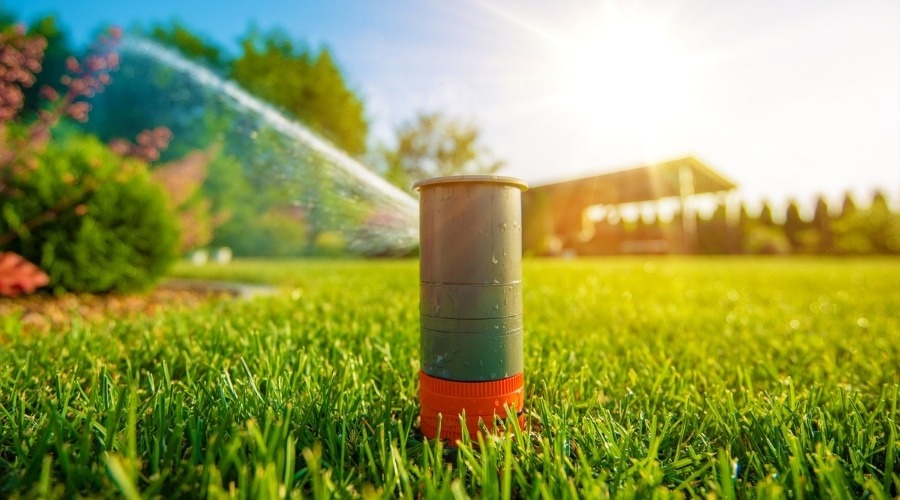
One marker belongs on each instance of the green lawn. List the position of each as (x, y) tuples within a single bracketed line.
[(730, 377)]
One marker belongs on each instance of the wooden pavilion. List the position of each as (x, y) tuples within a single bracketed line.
[(557, 218)]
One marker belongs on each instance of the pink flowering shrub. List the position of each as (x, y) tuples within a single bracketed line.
[(92, 219)]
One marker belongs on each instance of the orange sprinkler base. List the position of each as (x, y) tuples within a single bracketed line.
[(444, 400)]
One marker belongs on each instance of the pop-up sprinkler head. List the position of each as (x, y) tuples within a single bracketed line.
[(471, 302)]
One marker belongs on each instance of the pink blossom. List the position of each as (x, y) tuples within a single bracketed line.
[(78, 111), (49, 93), (72, 65), (119, 146), (96, 63)]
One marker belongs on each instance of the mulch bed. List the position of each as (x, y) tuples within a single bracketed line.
[(44, 312)]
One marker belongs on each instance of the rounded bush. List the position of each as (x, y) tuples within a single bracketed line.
[(93, 221), (330, 244)]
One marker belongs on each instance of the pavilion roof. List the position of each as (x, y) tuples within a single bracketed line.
[(644, 183)]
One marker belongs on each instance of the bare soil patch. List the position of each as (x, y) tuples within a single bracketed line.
[(45, 311)]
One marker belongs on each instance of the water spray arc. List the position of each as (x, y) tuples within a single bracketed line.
[(348, 198), (471, 344)]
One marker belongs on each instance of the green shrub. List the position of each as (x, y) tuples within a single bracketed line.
[(871, 231), (766, 240), (95, 222), (330, 244), (276, 233)]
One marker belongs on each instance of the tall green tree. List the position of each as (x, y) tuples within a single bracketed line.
[(307, 85), (848, 207), (435, 145), (879, 202), (763, 236), (765, 216), (794, 225), (820, 228), (875, 229), (712, 233)]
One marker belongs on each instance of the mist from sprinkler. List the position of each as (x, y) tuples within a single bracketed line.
[(334, 191)]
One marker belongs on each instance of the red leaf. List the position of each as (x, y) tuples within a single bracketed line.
[(18, 276)]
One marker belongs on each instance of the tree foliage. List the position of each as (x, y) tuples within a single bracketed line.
[(794, 225), (712, 233), (820, 232), (435, 145), (308, 85), (192, 46), (848, 206), (872, 230)]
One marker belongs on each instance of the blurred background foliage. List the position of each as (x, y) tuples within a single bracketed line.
[(224, 177)]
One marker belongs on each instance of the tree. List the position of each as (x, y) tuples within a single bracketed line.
[(149, 93), (872, 230), (435, 145), (712, 233), (879, 202), (308, 86), (819, 235), (794, 225), (763, 236), (176, 35), (848, 207), (765, 216)]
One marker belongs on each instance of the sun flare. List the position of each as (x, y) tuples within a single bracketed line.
[(627, 68)]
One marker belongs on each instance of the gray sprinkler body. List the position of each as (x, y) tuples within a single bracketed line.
[(471, 277)]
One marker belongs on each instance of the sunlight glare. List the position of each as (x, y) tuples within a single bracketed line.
[(621, 67)]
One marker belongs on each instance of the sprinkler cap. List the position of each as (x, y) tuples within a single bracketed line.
[(444, 400), (494, 179)]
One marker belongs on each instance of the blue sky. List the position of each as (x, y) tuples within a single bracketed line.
[(788, 99)]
